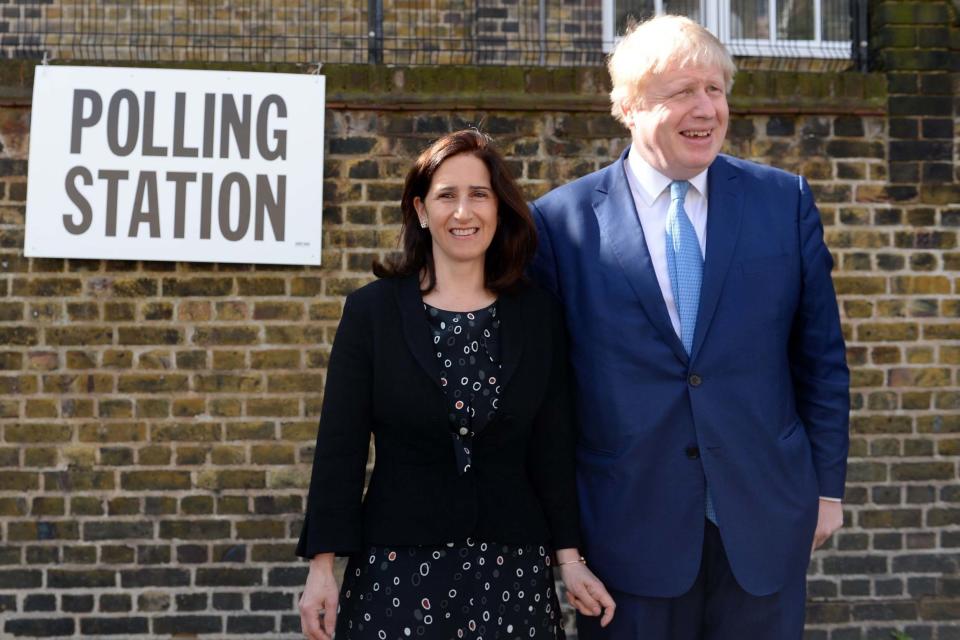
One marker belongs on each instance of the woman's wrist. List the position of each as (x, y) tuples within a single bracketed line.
[(322, 561), (570, 555)]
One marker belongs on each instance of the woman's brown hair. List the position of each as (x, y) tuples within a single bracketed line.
[(514, 241)]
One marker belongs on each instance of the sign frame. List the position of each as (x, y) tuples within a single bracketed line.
[(177, 165)]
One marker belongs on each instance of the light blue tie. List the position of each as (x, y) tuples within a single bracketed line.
[(685, 263)]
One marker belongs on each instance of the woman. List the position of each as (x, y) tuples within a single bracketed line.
[(457, 366)]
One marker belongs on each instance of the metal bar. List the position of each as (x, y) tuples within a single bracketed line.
[(207, 27), (773, 18), (818, 21), (375, 31), (859, 35), (302, 32), (542, 25), (60, 35)]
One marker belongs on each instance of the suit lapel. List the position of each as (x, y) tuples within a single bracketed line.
[(725, 208), (510, 308), (416, 331), (621, 230)]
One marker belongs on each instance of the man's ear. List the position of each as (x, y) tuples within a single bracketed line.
[(628, 109)]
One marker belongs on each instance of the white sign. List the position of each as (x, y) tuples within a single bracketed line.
[(163, 164)]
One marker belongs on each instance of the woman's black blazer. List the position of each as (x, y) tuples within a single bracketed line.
[(383, 378)]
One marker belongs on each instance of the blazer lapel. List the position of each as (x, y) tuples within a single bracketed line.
[(621, 230), (725, 209), (417, 333), (512, 322), (415, 327)]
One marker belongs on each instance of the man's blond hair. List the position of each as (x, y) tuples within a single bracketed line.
[(657, 45)]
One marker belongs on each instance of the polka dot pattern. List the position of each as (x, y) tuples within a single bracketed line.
[(468, 349), (474, 590)]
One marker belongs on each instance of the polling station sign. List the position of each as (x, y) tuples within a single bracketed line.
[(164, 164)]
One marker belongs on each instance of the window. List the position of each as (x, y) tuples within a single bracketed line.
[(768, 28)]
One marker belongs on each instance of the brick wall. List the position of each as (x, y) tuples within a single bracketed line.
[(157, 419)]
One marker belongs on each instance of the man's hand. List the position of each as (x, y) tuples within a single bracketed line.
[(829, 520)]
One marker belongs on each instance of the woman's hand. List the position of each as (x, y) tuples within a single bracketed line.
[(318, 604), (585, 592)]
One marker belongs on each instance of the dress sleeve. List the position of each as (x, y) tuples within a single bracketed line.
[(552, 453), (333, 522)]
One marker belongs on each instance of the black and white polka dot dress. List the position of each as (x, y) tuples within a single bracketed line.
[(473, 590), (468, 352), (476, 590)]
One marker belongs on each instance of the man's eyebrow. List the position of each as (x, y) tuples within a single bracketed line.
[(682, 82), (677, 85)]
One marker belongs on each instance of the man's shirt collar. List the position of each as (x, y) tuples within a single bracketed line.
[(650, 183)]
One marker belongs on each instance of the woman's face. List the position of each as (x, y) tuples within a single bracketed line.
[(460, 210)]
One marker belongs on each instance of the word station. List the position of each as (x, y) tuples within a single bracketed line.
[(130, 127)]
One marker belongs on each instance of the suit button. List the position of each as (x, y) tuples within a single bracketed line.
[(694, 380), (693, 453)]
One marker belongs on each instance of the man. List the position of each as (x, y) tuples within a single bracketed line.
[(711, 376)]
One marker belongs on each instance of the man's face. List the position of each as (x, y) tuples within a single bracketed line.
[(680, 121)]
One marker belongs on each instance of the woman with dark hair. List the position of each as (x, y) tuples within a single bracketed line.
[(457, 365)]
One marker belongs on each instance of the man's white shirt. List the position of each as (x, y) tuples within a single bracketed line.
[(651, 196)]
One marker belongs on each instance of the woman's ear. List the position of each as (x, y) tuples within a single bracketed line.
[(421, 211)]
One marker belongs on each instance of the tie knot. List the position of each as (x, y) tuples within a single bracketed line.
[(678, 189)]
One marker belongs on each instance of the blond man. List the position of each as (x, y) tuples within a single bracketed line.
[(705, 338)]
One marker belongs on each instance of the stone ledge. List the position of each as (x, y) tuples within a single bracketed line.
[(524, 88)]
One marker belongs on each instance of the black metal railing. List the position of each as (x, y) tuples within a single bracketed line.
[(493, 32)]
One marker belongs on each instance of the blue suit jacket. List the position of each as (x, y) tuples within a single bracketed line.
[(760, 408)]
